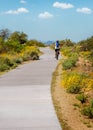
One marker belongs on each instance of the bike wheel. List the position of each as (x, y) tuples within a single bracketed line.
[(57, 55)]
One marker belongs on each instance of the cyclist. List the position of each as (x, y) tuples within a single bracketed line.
[(57, 48)]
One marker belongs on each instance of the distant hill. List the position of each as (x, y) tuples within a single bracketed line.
[(49, 42)]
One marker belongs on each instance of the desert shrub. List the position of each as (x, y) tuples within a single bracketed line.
[(9, 62), (90, 84), (86, 45), (77, 48), (25, 57), (85, 54), (67, 43), (90, 57), (87, 83), (66, 51), (91, 103), (29, 53), (88, 111), (72, 81), (74, 89), (69, 63), (18, 60), (35, 43), (82, 97), (34, 55), (29, 49), (4, 67), (6, 59), (13, 45)]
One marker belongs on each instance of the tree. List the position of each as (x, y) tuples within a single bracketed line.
[(19, 37), (5, 33), (23, 38)]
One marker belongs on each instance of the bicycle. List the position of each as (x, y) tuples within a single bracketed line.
[(57, 54)]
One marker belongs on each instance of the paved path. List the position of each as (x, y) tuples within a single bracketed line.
[(25, 96)]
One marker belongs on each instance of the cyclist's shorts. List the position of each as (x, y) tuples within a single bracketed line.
[(57, 50)]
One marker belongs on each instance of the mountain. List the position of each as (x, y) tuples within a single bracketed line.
[(49, 42)]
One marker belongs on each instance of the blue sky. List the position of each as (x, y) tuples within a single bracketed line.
[(48, 19)]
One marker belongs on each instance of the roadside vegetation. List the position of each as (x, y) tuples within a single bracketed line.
[(15, 48), (76, 77)]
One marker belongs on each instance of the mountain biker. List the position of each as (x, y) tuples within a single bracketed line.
[(57, 47)]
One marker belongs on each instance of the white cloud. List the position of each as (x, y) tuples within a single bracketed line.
[(45, 15), (23, 1), (84, 10), (18, 11), (63, 5)]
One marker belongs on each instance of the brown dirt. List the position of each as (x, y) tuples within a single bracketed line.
[(67, 106), (84, 65)]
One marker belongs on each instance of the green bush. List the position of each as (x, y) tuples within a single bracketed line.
[(8, 62), (35, 43), (82, 97), (91, 103), (18, 60), (69, 63), (73, 81), (14, 46), (88, 111), (66, 51), (91, 57), (34, 55), (73, 55), (74, 89), (26, 57), (4, 67)]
